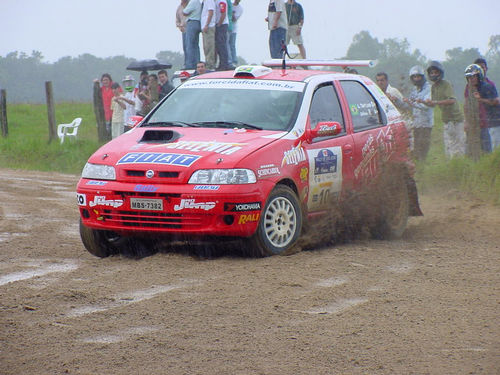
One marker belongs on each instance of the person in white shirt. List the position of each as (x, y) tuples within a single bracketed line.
[(277, 25), (237, 12)]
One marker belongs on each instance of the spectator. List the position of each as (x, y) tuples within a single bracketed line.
[(237, 13), (221, 32), (482, 63), (277, 25), (392, 93), (152, 93), (295, 17), (165, 85), (129, 99), (201, 68), (107, 95), (442, 95), (141, 87), (229, 13), (180, 22), (487, 98), (193, 29), (117, 107), (423, 117), (208, 31)]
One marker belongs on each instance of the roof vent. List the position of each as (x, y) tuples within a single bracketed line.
[(251, 71)]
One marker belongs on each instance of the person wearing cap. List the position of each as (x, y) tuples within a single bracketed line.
[(423, 116), (443, 96), (483, 102)]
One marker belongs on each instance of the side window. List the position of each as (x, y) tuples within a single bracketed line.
[(365, 111), (325, 106)]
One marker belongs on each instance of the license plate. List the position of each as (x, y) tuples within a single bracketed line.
[(146, 204)]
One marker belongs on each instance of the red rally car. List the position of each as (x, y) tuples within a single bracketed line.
[(256, 153)]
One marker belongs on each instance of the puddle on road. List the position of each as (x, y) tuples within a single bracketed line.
[(123, 335), (127, 298), (42, 269), (338, 306), (331, 282)]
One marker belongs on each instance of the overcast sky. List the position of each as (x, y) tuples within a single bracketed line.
[(141, 28)]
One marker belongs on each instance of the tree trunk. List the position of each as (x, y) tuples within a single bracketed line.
[(3, 113), (51, 113)]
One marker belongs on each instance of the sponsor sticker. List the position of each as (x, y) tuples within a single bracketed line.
[(145, 188), (224, 148), (192, 204), (240, 207), (207, 187), (96, 183), (81, 199), (268, 170), (100, 200), (250, 218), (294, 156), (183, 160), (325, 162)]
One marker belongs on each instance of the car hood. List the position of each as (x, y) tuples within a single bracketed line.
[(182, 149)]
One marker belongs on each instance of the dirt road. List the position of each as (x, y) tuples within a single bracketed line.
[(426, 304)]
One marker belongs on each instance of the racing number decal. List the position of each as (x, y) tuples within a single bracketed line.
[(325, 176)]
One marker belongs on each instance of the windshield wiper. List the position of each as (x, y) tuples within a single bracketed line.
[(169, 123), (229, 124)]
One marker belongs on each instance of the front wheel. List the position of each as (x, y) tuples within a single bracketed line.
[(100, 243), (280, 224)]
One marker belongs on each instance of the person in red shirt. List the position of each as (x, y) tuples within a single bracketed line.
[(107, 95)]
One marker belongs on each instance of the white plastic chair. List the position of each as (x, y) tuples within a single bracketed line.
[(68, 130)]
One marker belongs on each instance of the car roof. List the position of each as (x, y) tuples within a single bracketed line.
[(300, 75)]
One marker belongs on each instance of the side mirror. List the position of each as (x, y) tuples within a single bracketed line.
[(326, 129), (133, 121)]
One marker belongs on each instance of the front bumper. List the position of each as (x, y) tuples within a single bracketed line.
[(192, 210)]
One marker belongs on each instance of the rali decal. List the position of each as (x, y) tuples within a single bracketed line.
[(250, 218), (145, 188), (223, 148)]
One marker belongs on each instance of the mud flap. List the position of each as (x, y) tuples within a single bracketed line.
[(413, 198)]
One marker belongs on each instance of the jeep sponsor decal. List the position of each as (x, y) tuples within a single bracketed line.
[(100, 200), (223, 148), (183, 160), (191, 204), (240, 207), (294, 156), (250, 218), (268, 170)]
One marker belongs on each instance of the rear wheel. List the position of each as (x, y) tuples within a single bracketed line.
[(394, 209), (280, 224)]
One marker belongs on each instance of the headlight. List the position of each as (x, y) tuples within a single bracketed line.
[(99, 172), (223, 177)]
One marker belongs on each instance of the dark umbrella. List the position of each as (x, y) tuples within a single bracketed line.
[(152, 64)]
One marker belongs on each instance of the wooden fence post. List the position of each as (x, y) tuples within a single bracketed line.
[(473, 132), (3, 113), (102, 133), (51, 111)]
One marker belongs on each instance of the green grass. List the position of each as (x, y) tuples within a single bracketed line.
[(27, 144), (27, 147)]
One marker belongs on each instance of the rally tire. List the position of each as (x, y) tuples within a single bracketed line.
[(280, 224), (100, 243)]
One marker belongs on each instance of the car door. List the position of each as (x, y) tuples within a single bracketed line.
[(371, 135), (330, 162)]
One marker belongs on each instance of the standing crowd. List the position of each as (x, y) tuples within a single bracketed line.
[(470, 132)]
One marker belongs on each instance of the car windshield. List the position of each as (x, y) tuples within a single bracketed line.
[(231, 103)]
